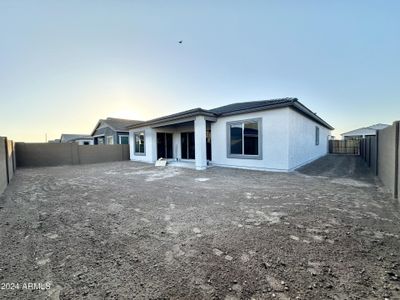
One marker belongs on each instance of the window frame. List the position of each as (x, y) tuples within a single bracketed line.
[(228, 139), (317, 135), (138, 133), (110, 137), (123, 136)]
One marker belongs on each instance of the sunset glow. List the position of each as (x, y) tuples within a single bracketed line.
[(64, 65)]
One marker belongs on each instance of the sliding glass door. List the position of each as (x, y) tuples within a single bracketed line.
[(187, 145), (164, 145)]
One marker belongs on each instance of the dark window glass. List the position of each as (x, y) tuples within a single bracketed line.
[(250, 138), (236, 139), (191, 145), (168, 144), (124, 140), (139, 142), (208, 133), (164, 145), (161, 145), (316, 135), (187, 145), (184, 145)]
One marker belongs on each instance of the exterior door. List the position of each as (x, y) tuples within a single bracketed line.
[(187, 145), (164, 145), (208, 139)]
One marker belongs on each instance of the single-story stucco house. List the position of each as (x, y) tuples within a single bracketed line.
[(81, 139), (272, 135), (363, 132), (112, 131)]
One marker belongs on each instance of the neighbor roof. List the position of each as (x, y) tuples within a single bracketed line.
[(73, 137), (117, 124), (239, 108), (120, 124), (366, 130), (378, 126)]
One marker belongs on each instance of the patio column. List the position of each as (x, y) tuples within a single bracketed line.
[(200, 143)]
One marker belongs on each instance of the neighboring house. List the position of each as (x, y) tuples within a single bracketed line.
[(274, 135), (81, 139), (56, 141), (112, 131), (363, 132)]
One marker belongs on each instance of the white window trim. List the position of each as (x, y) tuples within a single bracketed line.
[(134, 143), (108, 138)]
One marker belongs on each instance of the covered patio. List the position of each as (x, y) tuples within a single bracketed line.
[(183, 139)]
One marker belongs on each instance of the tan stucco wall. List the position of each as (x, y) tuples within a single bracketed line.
[(3, 166), (41, 154), (10, 158), (386, 157), (398, 161), (7, 155), (103, 153)]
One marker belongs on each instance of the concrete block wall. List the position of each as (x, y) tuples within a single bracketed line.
[(373, 159), (42, 154), (3, 166), (398, 162), (7, 162), (388, 157), (102, 153), (10, 159), (369, 152)]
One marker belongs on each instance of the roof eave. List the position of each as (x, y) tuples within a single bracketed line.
[(298, 105), (95, 128), (174, 117), (254, 109), (295, 104)]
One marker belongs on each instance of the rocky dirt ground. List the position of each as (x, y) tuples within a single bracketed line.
[(129, 230)]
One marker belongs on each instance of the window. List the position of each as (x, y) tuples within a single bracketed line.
[(244, 139), (124, 139), (86, 143), (236, 138), (139, 143), (316, 135), (250, 135), (110, 140)]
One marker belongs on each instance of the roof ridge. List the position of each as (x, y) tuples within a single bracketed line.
[(237, 106), (112, 118), (241, 107), (264, 100)]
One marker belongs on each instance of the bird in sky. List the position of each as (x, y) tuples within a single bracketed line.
[(180, 42)]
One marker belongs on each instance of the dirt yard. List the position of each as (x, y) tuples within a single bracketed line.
[(129, 230)]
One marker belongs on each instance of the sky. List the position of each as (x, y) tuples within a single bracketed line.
[(66, 64)]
